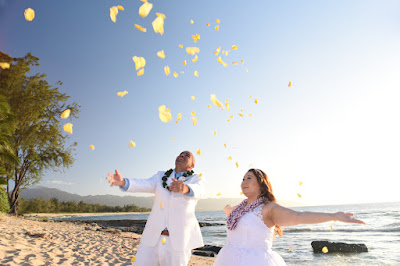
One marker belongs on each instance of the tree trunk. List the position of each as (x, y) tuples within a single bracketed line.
[(14, 201)]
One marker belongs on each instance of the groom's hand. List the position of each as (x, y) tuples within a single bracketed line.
[(178, 186), (116, 179)]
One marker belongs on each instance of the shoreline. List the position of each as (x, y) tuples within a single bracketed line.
[(28, 240), (83, 214)]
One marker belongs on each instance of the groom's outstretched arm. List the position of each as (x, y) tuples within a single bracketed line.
[(133, 184)]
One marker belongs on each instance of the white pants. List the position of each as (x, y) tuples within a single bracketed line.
[(161, 255)]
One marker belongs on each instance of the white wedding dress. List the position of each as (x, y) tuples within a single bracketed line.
[(250, 243)]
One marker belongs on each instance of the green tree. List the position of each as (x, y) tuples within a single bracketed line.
[(38, 139)]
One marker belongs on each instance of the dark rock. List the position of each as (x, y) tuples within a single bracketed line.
[(202, 224), (207, 251), (338, 247)]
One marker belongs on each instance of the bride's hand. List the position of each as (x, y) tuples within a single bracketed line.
[(228, 209), (347, 217)]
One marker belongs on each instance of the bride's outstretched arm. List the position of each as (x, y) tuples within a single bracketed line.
[(282, 216), (228, 209)]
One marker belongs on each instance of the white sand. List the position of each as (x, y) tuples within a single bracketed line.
[(66, 243)]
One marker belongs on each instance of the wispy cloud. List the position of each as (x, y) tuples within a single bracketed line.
[(59, 182)]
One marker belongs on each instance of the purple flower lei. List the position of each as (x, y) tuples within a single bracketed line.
[(241, 210)]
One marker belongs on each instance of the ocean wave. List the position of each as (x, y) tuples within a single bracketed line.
[(381, 230)]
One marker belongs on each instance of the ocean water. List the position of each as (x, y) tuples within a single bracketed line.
[(381, 235)]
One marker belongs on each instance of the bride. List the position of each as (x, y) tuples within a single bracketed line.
[(252, 224)]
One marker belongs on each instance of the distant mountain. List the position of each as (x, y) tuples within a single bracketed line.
[(209, 204)]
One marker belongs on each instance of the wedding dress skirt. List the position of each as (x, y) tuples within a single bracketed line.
[(250, 243)]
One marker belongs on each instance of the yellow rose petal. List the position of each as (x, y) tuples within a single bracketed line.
[(218, 20), (208, 24), (192, 97), (122, 93), (166, 70), (182, 72), (234, 63), (145, 9), (196, 73), (161, 54), (140, 72), (4, 65), (241, 60), (250, 115), (184, 63), (217, 51), (290, 84), (241, 193), (255, 101), (29, 14), (198, 36), (91, 146), (200, 174), (131, 144), (298, 195), (222, 62), (161, 205), (209, 105), (331, 228), (193, 113), (195, 59), (164, 114), (240, 114), (194, 119), (140, 28), (180, 46), (217, 28), (237, 164), (163, 240), (215, 101), (120, 8), (113, 13), (325, 250), (227, 106), (158, 23), (198, 152), (133, 259), (290, 249), (214, 133), (300, 183), (234, 47), (246, 69), (179, 116), (172, 139), (65, 114), (219, 194), (229, 158), (139, 62), (175, 74), (192, 50), (191, 21), (68, 128), (225, 145)]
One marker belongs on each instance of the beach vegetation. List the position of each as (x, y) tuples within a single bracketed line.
[(53, 205), (37, 140)]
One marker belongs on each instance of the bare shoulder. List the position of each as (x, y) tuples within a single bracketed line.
[(268, 207)]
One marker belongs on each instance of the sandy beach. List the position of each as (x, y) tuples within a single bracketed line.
[(31, 241)]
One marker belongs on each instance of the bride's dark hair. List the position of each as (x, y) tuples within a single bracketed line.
[(266, 191)]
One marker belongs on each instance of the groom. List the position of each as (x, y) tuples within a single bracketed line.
[(172, 229)]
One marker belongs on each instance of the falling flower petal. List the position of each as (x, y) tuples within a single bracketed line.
[(133, 259), (113, 13), (196, 73), (209, 105), (290, 84), (241, 193), (166, 70), (68, 128), (225, 145), (250, 115), (184, 63), (200, 174), (164, 114), (161, 54), (122, 93), (180, 46), (140, 72), (192, 50), (215, 101), (194, 119), (229, 158), (246, 69), (222, 62), (179, 116), (298, 195), (208, 24), (325, 250), (158, 23), (198, 152), (219, 194), (218, 20), (139, 62), (161, 205), (131, 144), (120, 8), (4, 65), (65, 114), (175, 74), (163, 240), (234, 63), (331, 228), (140, 28), (182, 72), (91, 146), (237, 164), (193, 113), (290, 249), (145, 9), (195, 59), (255, 101), (227, 106), (234, 47), (214, 133), (217, 51), (217, 28), (240, 114), (241, 60), (29, 14), (300, 183), (191, 21), (172, 139), (192, 97)]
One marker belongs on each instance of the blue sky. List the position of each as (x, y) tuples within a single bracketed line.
[(336, 129)]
